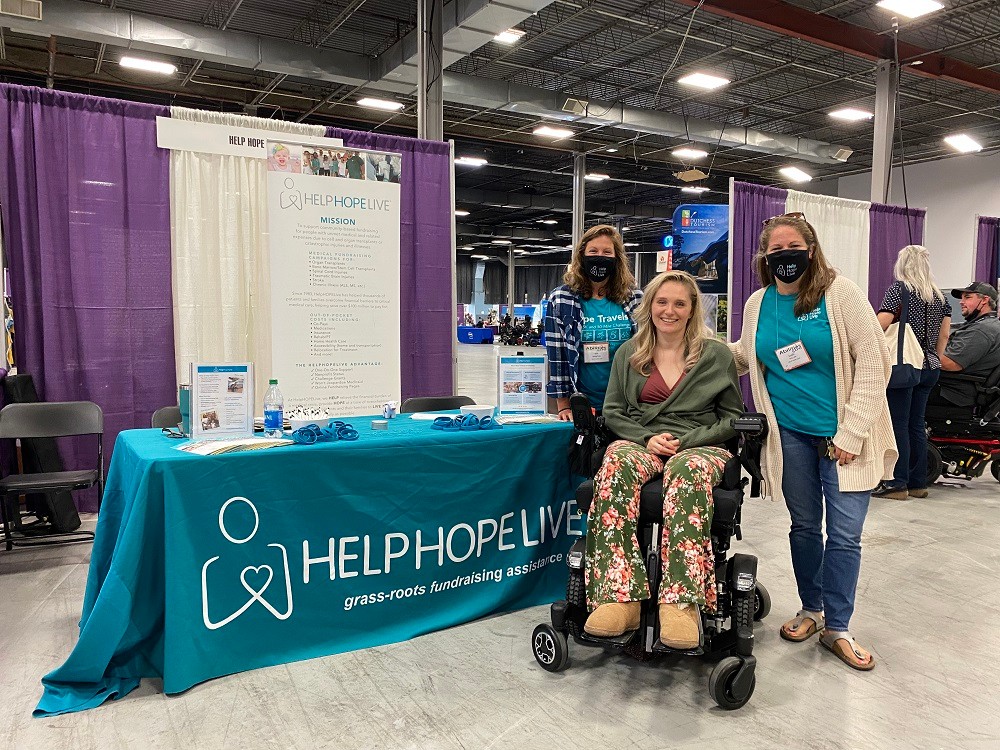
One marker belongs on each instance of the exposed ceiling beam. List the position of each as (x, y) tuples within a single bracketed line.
[(826, 31)]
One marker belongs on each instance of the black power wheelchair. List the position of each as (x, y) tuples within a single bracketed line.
[(963, 426), (742, 600)]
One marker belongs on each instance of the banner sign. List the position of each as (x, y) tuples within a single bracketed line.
[(211, 138), (334, 276), (704, 253)]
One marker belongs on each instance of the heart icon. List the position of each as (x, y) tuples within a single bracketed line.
[(256, 592)]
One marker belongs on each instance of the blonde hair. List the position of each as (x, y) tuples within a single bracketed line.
[(621, 283), (818, 276), (695, 333), (913, 268)]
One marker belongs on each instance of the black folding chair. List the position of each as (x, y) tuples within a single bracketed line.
[(434, 403), (51, 420), (167, 416)]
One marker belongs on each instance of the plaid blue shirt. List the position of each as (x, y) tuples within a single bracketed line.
[(563, 332)]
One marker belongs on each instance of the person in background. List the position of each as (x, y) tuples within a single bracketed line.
[(325, 169), (589, 317), (316, 163), (929, 315), (818, 369), (974, 348), (672, 398)]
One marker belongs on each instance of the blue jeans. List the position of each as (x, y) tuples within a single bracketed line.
[(907, 407), (826, 574)]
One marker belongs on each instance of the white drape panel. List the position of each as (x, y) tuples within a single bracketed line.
[(219, 247), (843, 229)]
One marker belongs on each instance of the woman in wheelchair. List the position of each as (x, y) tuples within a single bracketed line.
[(671, 398)]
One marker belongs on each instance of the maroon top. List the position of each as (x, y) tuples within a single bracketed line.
[(656, 390)]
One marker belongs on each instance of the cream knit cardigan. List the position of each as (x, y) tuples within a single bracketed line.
[(862, 368)]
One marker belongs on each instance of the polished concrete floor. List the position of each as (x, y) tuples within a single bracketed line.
[(928, 607)]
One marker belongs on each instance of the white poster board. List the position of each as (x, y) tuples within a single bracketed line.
[(334, 241), (228, 140), (222, 400), (521, 385)]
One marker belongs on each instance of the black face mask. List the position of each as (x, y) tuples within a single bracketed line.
[(598, 267), (788, 265)]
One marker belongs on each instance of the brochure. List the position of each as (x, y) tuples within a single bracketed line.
[(521, 387), (215, 447), (222, 400)]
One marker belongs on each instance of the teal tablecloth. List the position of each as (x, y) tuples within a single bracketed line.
[(206, 566)]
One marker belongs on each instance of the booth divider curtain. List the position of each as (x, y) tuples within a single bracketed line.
[(221, 258), (987, 249), (425, 256), (536, 282), (842, 226), (86, 215), (495, 283), (750, 206), (892, 228)]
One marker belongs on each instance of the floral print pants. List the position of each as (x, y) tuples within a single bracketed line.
[(616, 571)]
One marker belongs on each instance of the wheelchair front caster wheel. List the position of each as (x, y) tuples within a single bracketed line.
[(550, 648), (732, 682), (761, 602)]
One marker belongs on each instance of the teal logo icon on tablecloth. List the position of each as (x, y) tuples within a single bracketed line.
[(255, 579)]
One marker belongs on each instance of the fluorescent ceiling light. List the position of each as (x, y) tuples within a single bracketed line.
[(461, 212), (795, 174), (626, 229), (501, 242), (151, 66), (550, 132), (689, 153), (509, 36), (851, 114), (631, 244), (480, 257), (703, 81), (611, 150), (471, 161), (468, 247), (911, 8), (596, 177), (963, 143), (520, 252), (694, 189), (380, 104), (547, 221)]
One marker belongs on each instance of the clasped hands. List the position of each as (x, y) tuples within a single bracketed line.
[(663, 444)]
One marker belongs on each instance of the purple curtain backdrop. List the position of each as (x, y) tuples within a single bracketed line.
[(891, 229), (752, 206), (987, 249), (425, 257), (86, 217)]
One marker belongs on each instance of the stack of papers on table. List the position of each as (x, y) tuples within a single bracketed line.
[(527, 419), (215, 447)]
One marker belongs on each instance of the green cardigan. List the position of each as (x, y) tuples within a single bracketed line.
[(699, 412)]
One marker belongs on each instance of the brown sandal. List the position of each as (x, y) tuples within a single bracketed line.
[(844, 647), (816, 624)]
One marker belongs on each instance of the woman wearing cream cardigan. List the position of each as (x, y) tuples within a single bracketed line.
[(818, 369)]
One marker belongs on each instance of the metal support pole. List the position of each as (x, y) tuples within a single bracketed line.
[(430, 43), (510, 281), (886, 80), (579, 195)]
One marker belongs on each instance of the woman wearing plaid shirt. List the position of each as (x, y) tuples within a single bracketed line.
[(589, 317)]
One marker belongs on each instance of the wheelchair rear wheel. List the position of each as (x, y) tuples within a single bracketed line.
[(762, 602), (550, 648), (727, 691), (935, 462), (576, 594)]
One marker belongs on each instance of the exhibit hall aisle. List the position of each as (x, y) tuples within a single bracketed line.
[(926, 606)]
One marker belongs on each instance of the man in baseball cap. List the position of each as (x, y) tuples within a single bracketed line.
[(974, 349)]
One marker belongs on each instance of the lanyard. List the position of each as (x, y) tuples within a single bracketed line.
[(802, 321)]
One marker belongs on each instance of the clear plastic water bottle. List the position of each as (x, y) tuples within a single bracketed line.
[(274, 410)]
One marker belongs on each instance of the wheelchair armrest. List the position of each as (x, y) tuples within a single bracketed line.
[(961, 377)]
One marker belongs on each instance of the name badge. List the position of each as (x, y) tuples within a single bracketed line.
[(596, 351), (793, 356)]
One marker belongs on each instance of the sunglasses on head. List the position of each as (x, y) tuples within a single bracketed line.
[(791, 215)]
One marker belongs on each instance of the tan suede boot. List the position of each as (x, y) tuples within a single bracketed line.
[(679, 625), (610, 620)]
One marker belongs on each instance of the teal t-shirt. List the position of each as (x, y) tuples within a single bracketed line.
[(603, 320), (804, 399)]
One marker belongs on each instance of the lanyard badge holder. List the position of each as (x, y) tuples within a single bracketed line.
[(791, 356)]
